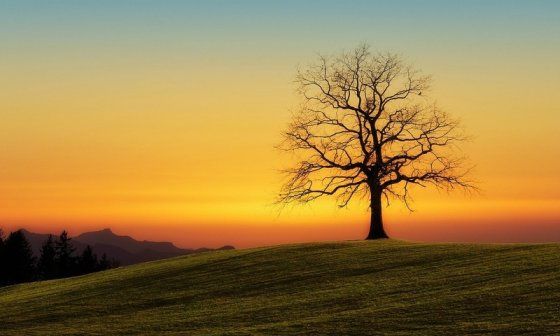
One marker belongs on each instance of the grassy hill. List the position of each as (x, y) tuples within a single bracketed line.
[(357, 288)]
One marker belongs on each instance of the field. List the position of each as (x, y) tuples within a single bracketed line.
[(353, 288)]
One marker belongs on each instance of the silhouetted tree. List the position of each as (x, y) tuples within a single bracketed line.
[(104, 263), (366, 129), (19, 263), (3, 270), (114, 263), (88, 261), (65, 259), (47, 265), (57, 259)]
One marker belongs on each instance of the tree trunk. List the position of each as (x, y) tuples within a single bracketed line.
[(376, 230)]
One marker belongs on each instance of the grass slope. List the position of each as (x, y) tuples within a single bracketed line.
[(369, 288)]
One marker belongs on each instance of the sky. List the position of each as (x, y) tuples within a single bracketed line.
[(159, 119)]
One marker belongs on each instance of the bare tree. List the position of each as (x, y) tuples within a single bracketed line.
[(366, 128)]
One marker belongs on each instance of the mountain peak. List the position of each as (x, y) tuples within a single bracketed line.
[(100, 233), (123, 248)]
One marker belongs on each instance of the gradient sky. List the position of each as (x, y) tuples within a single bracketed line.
[(158, 118)]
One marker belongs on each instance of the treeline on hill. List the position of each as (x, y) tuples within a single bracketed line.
[(58, 259)]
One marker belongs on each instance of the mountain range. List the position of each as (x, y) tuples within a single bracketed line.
[(126, 250)]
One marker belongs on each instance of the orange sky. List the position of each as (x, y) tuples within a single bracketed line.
[(166, 131)]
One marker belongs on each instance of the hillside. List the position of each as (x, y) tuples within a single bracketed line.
[(355, 288)]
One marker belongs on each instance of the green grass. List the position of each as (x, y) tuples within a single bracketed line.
[(354, 288)]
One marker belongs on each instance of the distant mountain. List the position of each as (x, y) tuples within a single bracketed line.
[(107, 237), (124, 249)]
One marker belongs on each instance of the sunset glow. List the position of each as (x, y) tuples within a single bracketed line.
[(161, 122)]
